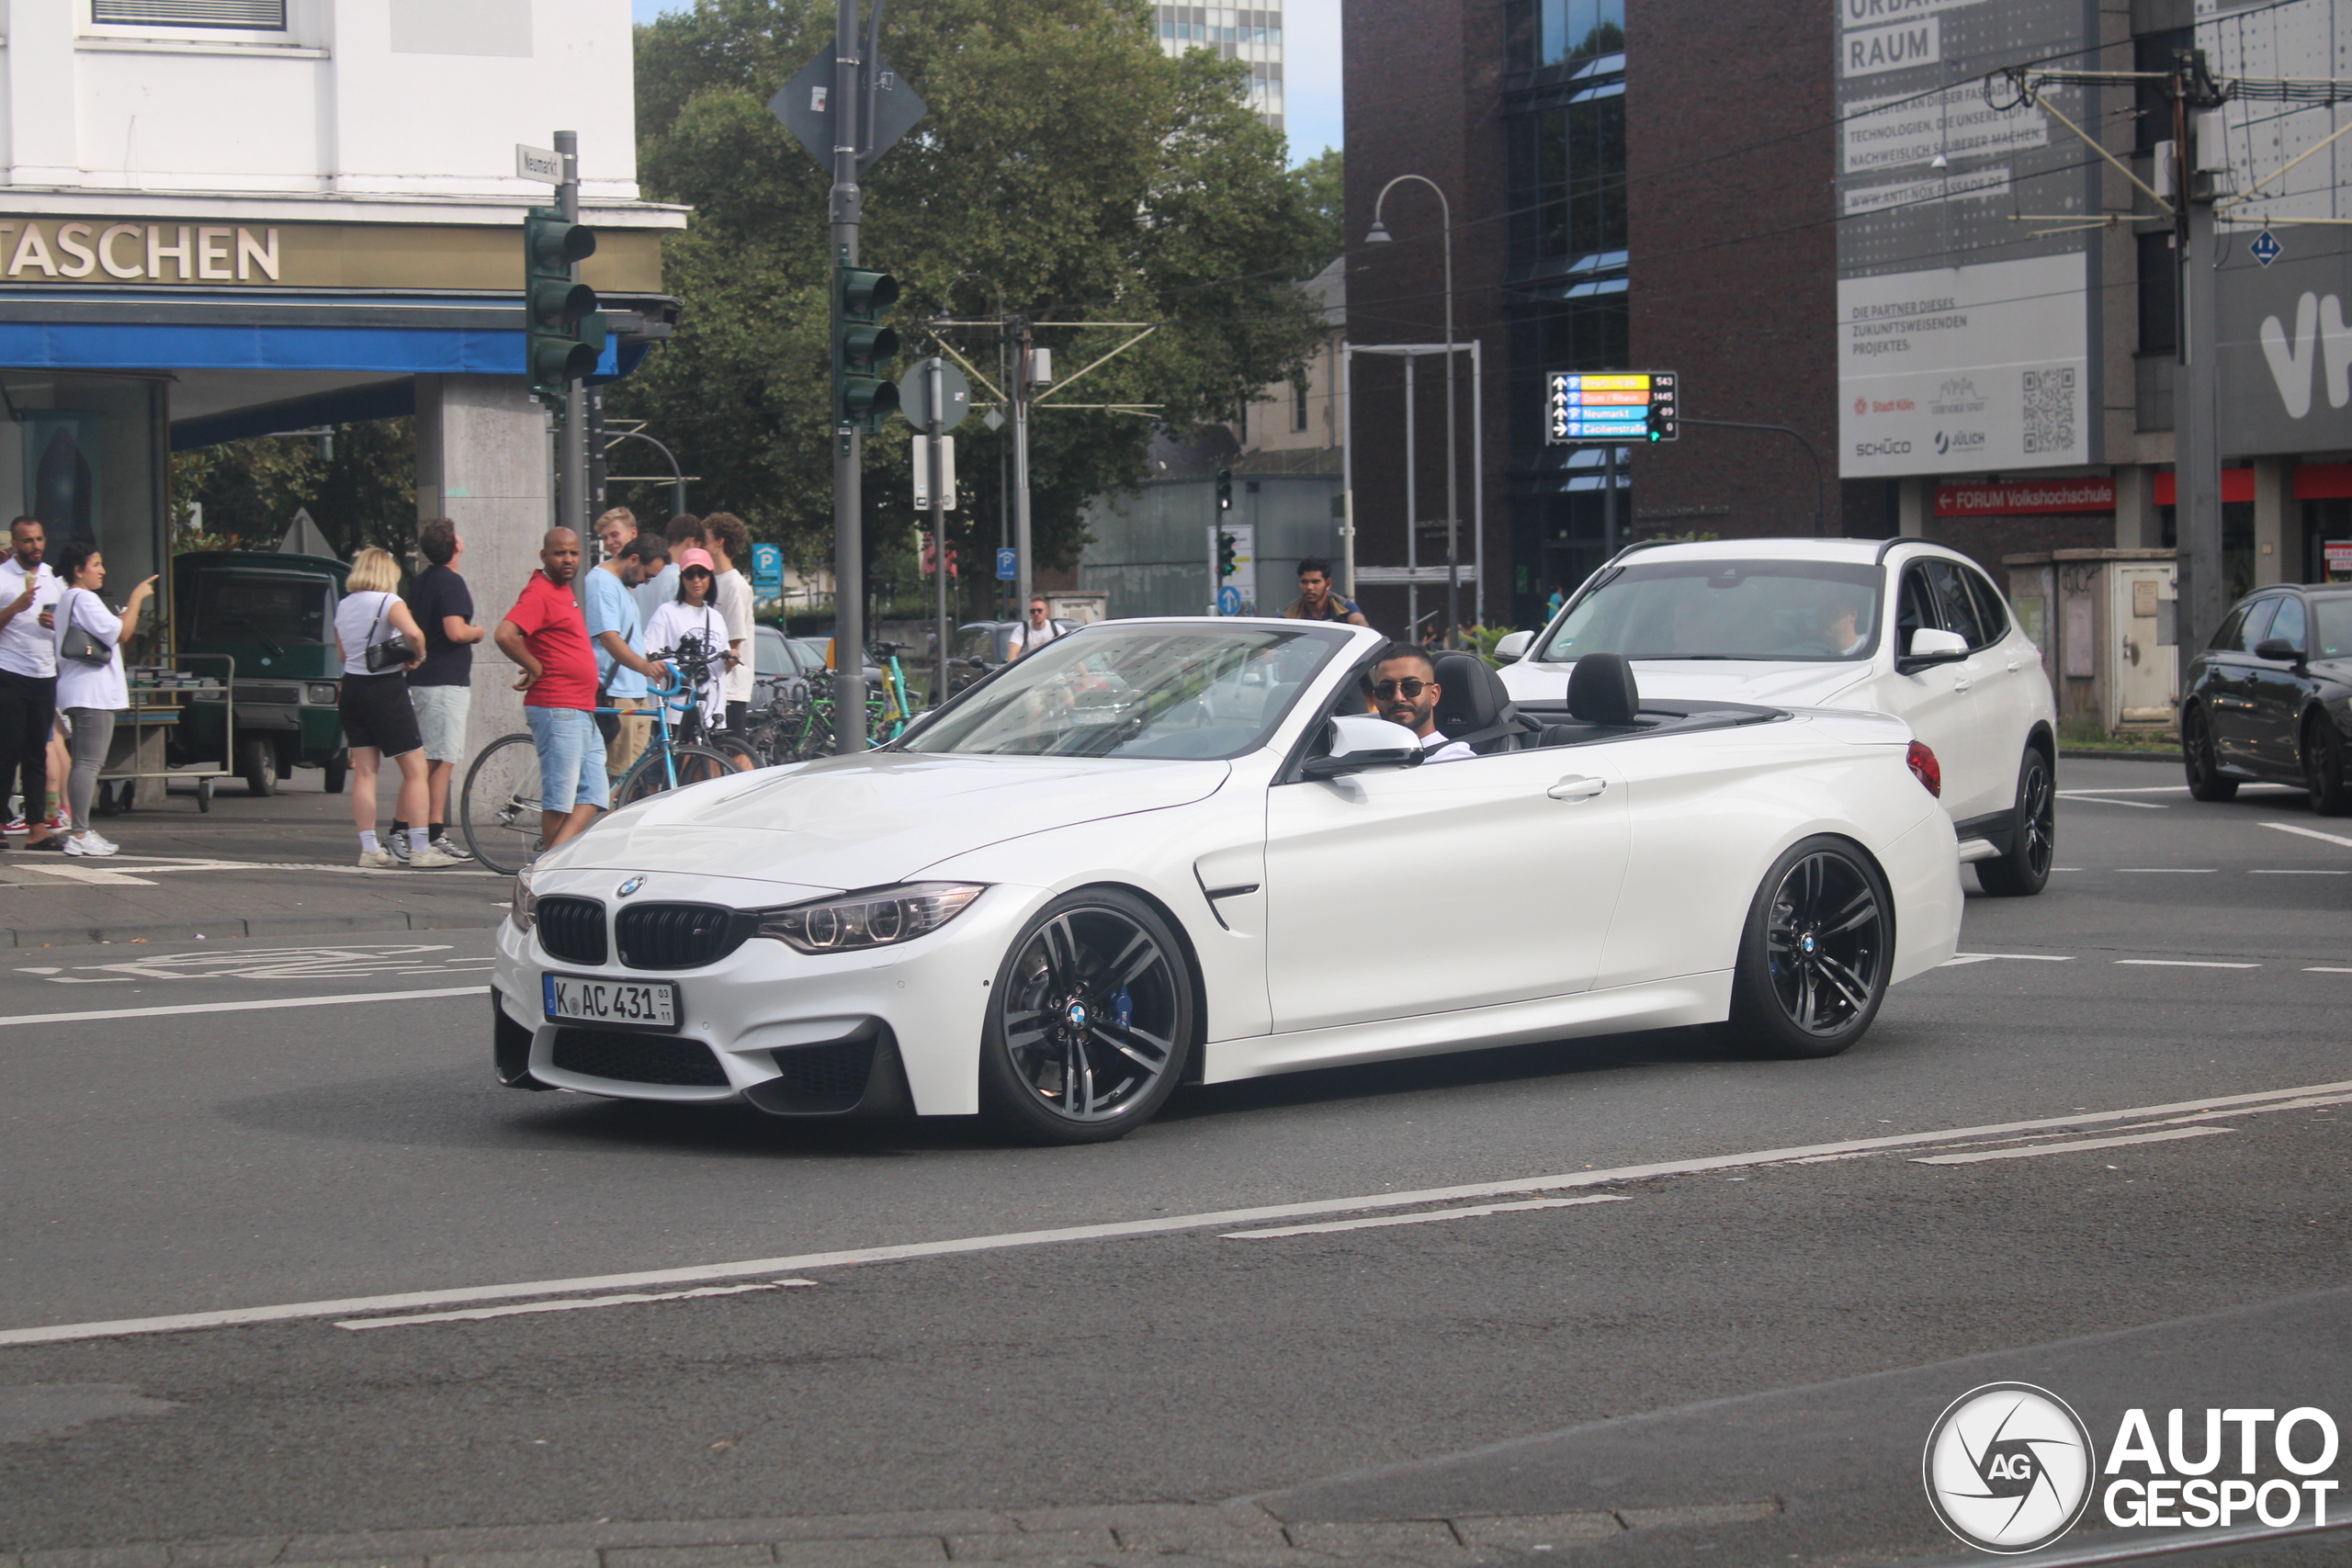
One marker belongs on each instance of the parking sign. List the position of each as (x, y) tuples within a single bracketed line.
[(1008, 565)]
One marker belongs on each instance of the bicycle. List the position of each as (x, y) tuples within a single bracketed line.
[(888, 715), (498, 808)]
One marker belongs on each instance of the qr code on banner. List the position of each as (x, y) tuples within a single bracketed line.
[(2049, 411)]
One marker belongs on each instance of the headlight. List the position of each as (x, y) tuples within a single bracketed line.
[(522, 906), (324, 695), (876, 919)]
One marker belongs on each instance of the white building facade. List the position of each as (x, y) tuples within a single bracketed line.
[(226, 217), (1235, 33)]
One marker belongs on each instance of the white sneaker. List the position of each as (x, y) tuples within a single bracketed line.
[(427, 858), (89, 843), (375, 860)]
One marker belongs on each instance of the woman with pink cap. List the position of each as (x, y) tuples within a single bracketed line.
[(692, 615)]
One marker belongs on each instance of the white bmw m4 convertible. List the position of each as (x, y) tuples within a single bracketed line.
[(1161, 852)]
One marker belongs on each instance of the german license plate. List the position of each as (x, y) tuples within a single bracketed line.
[(572, 999)]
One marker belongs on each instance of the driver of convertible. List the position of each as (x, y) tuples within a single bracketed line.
[(1405, 690)]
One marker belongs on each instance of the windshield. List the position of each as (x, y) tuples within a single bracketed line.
[(1802, 610), (2331, 627), (1145, 690), (231, 607)]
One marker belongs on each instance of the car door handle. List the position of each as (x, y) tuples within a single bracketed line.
[(2013, 661), (1577, 788), (1959, 684)]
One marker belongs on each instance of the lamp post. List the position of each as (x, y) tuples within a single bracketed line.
[(1378, 235)]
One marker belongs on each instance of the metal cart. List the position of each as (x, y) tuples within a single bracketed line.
[(142, 736)]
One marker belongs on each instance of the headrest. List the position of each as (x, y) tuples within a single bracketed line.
[(1474, 695), (1601, 690)]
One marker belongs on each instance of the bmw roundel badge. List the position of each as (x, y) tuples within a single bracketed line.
[(631, 886)]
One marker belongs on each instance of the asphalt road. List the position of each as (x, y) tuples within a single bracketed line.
[(1770, 1340)]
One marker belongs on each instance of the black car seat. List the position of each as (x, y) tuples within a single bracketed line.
[(1603, 700), (1476, 706)]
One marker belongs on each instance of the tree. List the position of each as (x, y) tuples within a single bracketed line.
[(1067, 171), (365, 494), (1323, 179)]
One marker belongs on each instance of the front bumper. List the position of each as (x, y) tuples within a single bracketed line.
[(785, 1028)]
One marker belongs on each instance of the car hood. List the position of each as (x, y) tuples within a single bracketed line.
[(867, 821), (1794, 683)]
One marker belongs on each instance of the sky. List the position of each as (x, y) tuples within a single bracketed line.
[(1310, 71)]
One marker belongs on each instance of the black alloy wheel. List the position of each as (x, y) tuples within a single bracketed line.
[(2324, 767), (1816, 954), (1091, 1022), (2205, 780), (2033, 837)]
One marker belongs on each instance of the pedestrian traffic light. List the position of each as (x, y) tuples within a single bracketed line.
[(564, 332), (1225, 490), (1224, 552), (863, 395), (1658, 424)]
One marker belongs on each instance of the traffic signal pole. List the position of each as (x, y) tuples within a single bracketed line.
[(2197, 433), (571, 439), (849, 543), (935, 405), (1022, 569)]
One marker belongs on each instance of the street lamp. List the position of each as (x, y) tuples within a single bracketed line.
[(1378, 235)]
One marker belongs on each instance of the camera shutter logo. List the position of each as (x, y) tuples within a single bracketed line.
[(2009, 1467)]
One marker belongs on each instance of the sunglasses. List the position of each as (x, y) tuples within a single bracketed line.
[(1407, 689)]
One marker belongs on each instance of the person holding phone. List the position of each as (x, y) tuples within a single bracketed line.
[(90, 685)]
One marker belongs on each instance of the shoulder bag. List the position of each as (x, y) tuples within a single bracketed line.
[(393, 652), (79, 644)]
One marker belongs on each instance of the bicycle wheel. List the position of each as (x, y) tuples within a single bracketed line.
[(498, 810), (655, 770), (740, 751)]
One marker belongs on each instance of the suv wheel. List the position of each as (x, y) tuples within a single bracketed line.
[(2025, 870)]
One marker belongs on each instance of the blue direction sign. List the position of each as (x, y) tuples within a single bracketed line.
[(1621, 406), (767, 570), (1228, 599), (2266, 247), (1008, 565)]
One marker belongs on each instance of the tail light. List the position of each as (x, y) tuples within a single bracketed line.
[(1925, 769)]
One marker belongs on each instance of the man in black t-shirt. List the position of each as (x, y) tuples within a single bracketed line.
[(441, 688)]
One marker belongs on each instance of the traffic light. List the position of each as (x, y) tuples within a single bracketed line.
[(564, 335), (1225, 490), (1224, 551), (863, 395), (1658, 424)]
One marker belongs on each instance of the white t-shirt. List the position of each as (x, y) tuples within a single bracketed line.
[(26, 647), (1441, 750), (360, 619), (1028, 639), (735, 604), (678, 620), (88, 685)]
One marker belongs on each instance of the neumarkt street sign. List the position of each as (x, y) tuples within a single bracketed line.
[(1622, 408), (806, 109)]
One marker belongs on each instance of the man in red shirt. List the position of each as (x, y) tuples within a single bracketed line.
[(545, 634)]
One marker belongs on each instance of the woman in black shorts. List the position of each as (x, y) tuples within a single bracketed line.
[(378, 719)]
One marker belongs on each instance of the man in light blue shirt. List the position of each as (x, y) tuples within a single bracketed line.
[(615, 630)]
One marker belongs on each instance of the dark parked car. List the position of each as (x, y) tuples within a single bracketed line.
[(2270, 698), (981, 647)]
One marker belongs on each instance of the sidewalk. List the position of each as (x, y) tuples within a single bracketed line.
[(280, 866)]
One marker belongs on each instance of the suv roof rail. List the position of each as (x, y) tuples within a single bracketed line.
[(1886, 547)]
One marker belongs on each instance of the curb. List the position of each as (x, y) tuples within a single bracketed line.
[(230, 927)]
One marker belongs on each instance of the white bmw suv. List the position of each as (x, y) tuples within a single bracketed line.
[(1900, 626)]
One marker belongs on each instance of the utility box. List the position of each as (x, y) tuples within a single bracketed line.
[(2104, 621)]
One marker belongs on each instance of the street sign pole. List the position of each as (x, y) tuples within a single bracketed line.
[(572, 440), (849, 543), (935, 405), (1023, 561)]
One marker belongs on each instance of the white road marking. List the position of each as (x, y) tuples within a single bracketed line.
[(341, 961), (2186, 964), (572, 1306), (284, 1311), (2299, 871), (2132, 789), (1479, 1213), (6, 1020), (2102, 800), (2316, 969), (2310, 833), (2164, 870), (91, 875), (1959, 958), (2030, 1150), (164, 864)]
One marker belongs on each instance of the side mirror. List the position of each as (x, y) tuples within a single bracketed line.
[(2280, 648), (1515, 646), (1932, 645), (1360, 741)]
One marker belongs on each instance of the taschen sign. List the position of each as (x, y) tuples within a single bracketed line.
[(2028, 498)]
